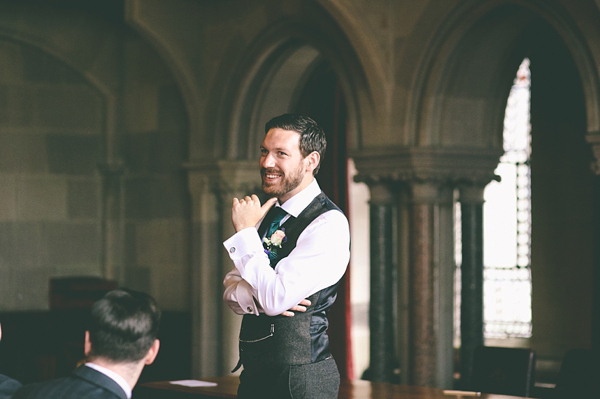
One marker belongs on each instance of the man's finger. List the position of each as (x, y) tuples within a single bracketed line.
[(304, 302), (268, 204), (287, 313)]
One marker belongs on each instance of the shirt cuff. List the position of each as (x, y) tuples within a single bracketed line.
[(245, 299), (242, 243)]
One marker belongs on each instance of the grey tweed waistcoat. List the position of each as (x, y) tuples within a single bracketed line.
[(302, 339)]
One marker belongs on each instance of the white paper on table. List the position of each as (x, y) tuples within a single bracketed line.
[(194, 383)]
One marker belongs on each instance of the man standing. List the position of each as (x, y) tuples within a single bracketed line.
[(289, 256), (8, 386), (120, 342)]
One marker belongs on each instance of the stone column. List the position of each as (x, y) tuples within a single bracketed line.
[(381, 314), (111, 169), (112, 220), (215, 328), (596, 265), (205, 306), (594, 140), (471, 308), (431, 288), (424, 258)]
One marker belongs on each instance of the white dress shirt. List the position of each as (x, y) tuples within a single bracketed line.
[(113, 376), (318, 261)]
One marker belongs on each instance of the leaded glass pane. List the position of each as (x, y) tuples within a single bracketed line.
[(507, 223), (507, 226)]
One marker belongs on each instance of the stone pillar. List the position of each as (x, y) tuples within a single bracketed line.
[(111, 169), (215, 328), (596, 266), (594, 140), (205, 306), (112, 220), (431, 288), (471, 308), (423, 252), (381, 314)]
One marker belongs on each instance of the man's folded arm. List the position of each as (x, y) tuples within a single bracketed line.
[(318, 261), (238, 294)]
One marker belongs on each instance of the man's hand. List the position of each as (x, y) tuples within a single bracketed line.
[(301, 307), (246, 212)]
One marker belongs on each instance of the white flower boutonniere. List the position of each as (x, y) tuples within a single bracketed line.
[(274, 242)]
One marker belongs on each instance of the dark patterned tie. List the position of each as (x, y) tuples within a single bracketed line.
[(279, 214), (272, 252)]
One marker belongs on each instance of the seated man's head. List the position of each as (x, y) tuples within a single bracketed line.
[(124, 328)]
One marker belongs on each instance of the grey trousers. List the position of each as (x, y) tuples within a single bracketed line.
[(309, 381)]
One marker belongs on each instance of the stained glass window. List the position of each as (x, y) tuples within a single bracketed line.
[(507, 225)]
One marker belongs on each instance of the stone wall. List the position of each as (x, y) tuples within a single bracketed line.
[(50, 136)]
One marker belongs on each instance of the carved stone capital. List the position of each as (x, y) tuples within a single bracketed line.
[(594, 139), (225, 177), (471, 193), (427, 164), (431, 192)]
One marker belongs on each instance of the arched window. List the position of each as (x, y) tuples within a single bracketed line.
[(507, 226), (507, 223)]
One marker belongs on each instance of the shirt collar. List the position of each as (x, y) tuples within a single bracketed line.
[(298, 202), (112, 375)]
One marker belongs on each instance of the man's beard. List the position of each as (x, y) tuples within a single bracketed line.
[(286, 185)]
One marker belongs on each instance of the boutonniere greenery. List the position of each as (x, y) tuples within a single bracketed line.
[(273, 243)]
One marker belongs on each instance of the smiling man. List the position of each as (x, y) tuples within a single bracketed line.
[(289, 256)]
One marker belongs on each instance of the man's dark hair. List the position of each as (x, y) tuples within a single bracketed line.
[(312, 136), (124, 325)]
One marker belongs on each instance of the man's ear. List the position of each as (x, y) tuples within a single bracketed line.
[(152, 352), (313, 160), (87, 345)]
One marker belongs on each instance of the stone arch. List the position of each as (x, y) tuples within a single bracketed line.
[(32, 36), (464, 79), (61, 149), (26, 32), (273, 72), (98, 50), (478, 41), (182, 71), (267, 80)]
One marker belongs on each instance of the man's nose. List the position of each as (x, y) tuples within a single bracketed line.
[(267, 161)]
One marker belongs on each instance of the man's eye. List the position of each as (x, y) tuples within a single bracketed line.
[(282, 154)]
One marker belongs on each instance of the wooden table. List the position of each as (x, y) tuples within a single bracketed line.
[(349, 389)]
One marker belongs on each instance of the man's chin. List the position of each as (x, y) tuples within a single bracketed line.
[(271, 191)]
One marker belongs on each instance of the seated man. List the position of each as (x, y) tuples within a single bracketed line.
[(120, 342), (8, 386)]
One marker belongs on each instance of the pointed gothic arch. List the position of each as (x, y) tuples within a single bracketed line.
[(272, 73), (472, 59), (461, 89), (271, 78)]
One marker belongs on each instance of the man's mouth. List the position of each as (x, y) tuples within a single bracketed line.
[(271, 175)]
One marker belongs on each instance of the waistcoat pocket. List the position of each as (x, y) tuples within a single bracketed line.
[(249, 336)]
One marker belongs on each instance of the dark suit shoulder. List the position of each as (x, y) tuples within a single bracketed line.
[(82, 383), (8, 386)]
